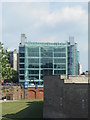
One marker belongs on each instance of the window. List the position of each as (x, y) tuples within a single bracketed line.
[(60, 60), (59, 71), (33, 66), (33, 60), (59, 54), (33, 54), (33, 71), (22, 77), (21, 49), (21, 54), (63, 49), (33, 77), (62, 66), (33, 49), (21, 65), (21, 71), (22, 60)]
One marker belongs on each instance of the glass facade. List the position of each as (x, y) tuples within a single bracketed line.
[(39, 59), (21, 64)]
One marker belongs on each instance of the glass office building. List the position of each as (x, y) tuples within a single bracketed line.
[(39, 59)]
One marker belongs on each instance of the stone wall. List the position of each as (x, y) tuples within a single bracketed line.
[(15, 93), (64, 100), (18, 93)]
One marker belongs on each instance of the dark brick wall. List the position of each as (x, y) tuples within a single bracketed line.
[(64, 100)]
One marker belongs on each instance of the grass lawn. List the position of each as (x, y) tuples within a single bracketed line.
[(24, 109)]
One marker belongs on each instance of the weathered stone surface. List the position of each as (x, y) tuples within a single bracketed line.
[(64, 100)]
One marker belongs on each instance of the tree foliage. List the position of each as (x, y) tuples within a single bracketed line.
[(5, 68)]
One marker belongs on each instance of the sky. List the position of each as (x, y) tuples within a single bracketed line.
[(41, 21)]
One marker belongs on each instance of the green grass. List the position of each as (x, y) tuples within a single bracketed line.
[(22, 109)]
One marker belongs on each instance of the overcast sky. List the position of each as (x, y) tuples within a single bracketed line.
[(46, 22)]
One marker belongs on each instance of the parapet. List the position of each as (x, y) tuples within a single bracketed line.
[(75, 79)]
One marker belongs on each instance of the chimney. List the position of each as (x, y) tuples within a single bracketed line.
[(23, 39), (71, 40)]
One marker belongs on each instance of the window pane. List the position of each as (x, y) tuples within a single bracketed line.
[(22, 60), (21, 71), (21, 65)]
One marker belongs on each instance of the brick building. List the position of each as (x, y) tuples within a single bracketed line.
[(33, 93)]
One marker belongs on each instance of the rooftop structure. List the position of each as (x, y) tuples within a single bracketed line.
[(75, 79)]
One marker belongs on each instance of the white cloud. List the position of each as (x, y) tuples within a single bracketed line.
[(41, 14), (66, 14), (45, 23)]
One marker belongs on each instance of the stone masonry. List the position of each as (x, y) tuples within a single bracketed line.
[(65, 97)]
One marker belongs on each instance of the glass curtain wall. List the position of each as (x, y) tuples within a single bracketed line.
[(39, 59), (44, 59)]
